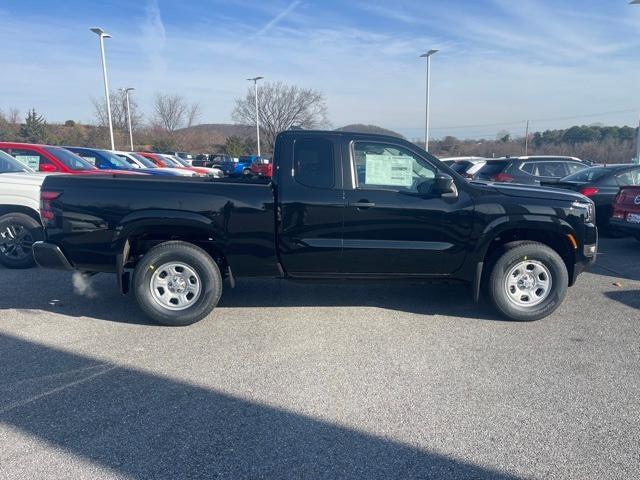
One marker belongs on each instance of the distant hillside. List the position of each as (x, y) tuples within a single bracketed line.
[(361, 128)]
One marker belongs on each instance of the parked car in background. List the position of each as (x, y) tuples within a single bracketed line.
[(19, 212), (207, 171), (167, 161), (45, 158), (626, 211), (529, 170), (467, 167), (450, 160), (262, 167), (211, 161), (187, 157), (106, 160), (138, 161), (239, 167), (601, 185)]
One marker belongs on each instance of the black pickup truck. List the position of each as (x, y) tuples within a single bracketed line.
[(340, 205)]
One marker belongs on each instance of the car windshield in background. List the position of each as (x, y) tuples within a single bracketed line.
[(460, 166), (144, 160), (170, 161), (182, 162), (493, 167), (8, 164), (116, 161), (69, 159), (588, 174)]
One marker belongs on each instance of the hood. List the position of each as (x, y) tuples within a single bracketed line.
[(543, 193), (25, 178)]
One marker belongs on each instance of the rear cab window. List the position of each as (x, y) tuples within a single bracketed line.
[(314, 163), (493, 167)]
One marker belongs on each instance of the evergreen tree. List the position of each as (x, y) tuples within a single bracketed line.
[(34, 129)]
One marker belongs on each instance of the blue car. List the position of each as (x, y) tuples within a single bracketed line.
[(239, 168), (106, 160)]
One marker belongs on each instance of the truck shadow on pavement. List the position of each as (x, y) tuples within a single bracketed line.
[(630, 298), (144, 426), (39, 290)]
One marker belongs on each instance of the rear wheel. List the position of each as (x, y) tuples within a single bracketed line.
[(177, 283), (528, 281), (18, 232)]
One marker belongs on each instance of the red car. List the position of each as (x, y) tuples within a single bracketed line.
[(626, 211), (262, 167), (164, 162), (45, 158)]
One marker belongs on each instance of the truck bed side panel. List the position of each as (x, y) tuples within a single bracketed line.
[(95, 216)]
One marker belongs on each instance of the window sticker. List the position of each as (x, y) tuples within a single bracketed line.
[(32, 161), (392, 170)]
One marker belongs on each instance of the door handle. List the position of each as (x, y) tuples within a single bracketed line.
[(362, 204)]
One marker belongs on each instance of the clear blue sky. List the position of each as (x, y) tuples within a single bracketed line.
[(501, 61)]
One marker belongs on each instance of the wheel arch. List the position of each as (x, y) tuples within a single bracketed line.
[(7, 209)]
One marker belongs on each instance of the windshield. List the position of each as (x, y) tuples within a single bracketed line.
[(588, 174), (69, 159), (144, 160), (180, 161), (170, 161), (8, 164)]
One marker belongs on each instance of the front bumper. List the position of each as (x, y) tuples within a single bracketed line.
[(48, 255)]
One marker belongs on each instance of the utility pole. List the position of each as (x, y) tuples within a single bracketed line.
[(102, 35), (428, 56), (526, 140), (126, 93)]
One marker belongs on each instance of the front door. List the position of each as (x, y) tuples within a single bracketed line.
[(394, 222)]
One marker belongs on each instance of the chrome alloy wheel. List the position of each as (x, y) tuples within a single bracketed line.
[(528, 283), (16, 242), (175, 286)]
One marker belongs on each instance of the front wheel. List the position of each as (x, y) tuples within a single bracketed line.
[(177, 283), (528, 281), (18, 232)]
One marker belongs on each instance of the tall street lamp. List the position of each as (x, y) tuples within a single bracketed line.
[(102, 35), (637, 159), (126, 95), (428, 55), (255, 85)]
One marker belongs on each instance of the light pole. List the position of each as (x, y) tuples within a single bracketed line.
[(428, 55), (255, 85), (102, 34), (637, 159), (126, 94)]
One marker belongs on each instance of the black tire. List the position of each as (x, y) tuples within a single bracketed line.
[(246, 173), (210, 282), (17, 234), (514, 254)]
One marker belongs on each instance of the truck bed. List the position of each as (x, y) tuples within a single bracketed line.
[(95, 216)]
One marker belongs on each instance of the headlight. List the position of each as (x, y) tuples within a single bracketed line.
[(587, 209)]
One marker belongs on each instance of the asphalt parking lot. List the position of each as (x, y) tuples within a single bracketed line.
[(323, 380)]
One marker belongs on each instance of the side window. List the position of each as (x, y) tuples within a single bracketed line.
[(629, 178), (551, 169), (313, 163), (529, 167), (30, 158), (390, 167), (573, 167)]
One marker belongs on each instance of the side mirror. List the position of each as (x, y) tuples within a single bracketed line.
[(444, 184), (47, 167)]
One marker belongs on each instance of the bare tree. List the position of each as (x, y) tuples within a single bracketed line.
[(118, 111), (171, 111), (281, 107), (194, 114)]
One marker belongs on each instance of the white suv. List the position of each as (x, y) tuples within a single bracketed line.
[(20, 223)]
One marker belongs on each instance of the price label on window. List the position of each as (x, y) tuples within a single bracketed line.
[(391, 170), (32, 161)]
